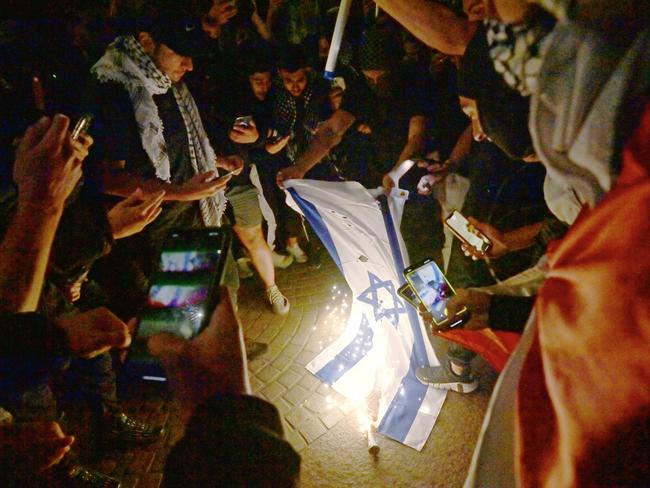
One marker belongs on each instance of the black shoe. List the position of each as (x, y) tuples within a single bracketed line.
[(83, 477), (121, 428), (255, 349)]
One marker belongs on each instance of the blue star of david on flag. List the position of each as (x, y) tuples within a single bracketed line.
[(371, 296)]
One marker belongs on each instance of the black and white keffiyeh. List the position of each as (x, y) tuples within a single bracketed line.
[(125, 62), (516, 51)]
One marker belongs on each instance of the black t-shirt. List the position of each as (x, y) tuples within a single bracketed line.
[(117, 138), (389, 117)]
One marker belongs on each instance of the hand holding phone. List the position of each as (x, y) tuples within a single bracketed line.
[(434, 291), (82, 126), (468, 233)]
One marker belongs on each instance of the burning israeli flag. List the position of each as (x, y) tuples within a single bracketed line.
[(384, 341)]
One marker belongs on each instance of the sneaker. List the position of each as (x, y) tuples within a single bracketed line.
[(243, 268), (83, 477), (281, 261), (255, 349), (277, 300), (120, 427), (443, 378), (298, 254)]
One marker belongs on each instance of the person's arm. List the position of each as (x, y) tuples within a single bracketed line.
[(46, 170), (463, 146), (436, 25), (116, 180), (417, 136), (262, 28), (327, 137)]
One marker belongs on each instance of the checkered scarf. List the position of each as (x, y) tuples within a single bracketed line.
[(125, 62), (516, 51)]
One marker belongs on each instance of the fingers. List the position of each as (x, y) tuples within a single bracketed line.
[(57, 132), (207, 176), (150, 204), (35, 133), (132, 199)]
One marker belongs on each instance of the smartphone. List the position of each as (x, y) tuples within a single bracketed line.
[(185, 291), (467, 233), (434, 291), (244, 121), (408, 294), (82, 126)]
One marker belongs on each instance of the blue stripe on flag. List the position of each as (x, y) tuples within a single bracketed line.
[(316, 221), (349, 356), (404, 407)]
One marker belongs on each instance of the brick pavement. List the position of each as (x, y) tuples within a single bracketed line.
[(322, 425)]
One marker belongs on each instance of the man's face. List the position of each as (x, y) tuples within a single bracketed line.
[(378, 80), (170, 63), (260, 84), (471, 110), (294, 82)]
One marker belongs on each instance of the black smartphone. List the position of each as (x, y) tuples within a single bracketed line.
[(82, 126), (434, 291), (185, 291), (408, 294)]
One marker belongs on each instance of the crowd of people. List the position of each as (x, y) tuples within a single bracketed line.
[(529, 118)]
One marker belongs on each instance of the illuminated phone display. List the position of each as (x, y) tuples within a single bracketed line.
[(467, 233), (433, 290)]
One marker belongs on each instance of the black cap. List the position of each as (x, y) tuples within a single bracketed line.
[(182, 35)]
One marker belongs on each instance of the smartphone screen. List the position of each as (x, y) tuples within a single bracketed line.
[(462, 229), (432, 289), (184, 292), (408, 294)]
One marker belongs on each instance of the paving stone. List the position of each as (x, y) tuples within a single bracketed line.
[(324, 389), (297, 416), (309, 381), (257, 365), (283, 406), (296, 395), (295, 439), (282, 362), (311, 429), (304, 358), (269, 334), (289, 378), (268, 374), (316, 403), (256, 384), (331, 416), (273, 390)]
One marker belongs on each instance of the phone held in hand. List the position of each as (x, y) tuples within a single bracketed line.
[(185, 290), (244, 121), (467, 233), (408, 294), (82, 126), (434, 291)]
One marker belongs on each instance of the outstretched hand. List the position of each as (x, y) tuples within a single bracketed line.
[(134, 213), (210, 364)]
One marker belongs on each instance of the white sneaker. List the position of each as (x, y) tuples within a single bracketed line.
[(243, 268), (277, 300), (281, 260), (299, 255)]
